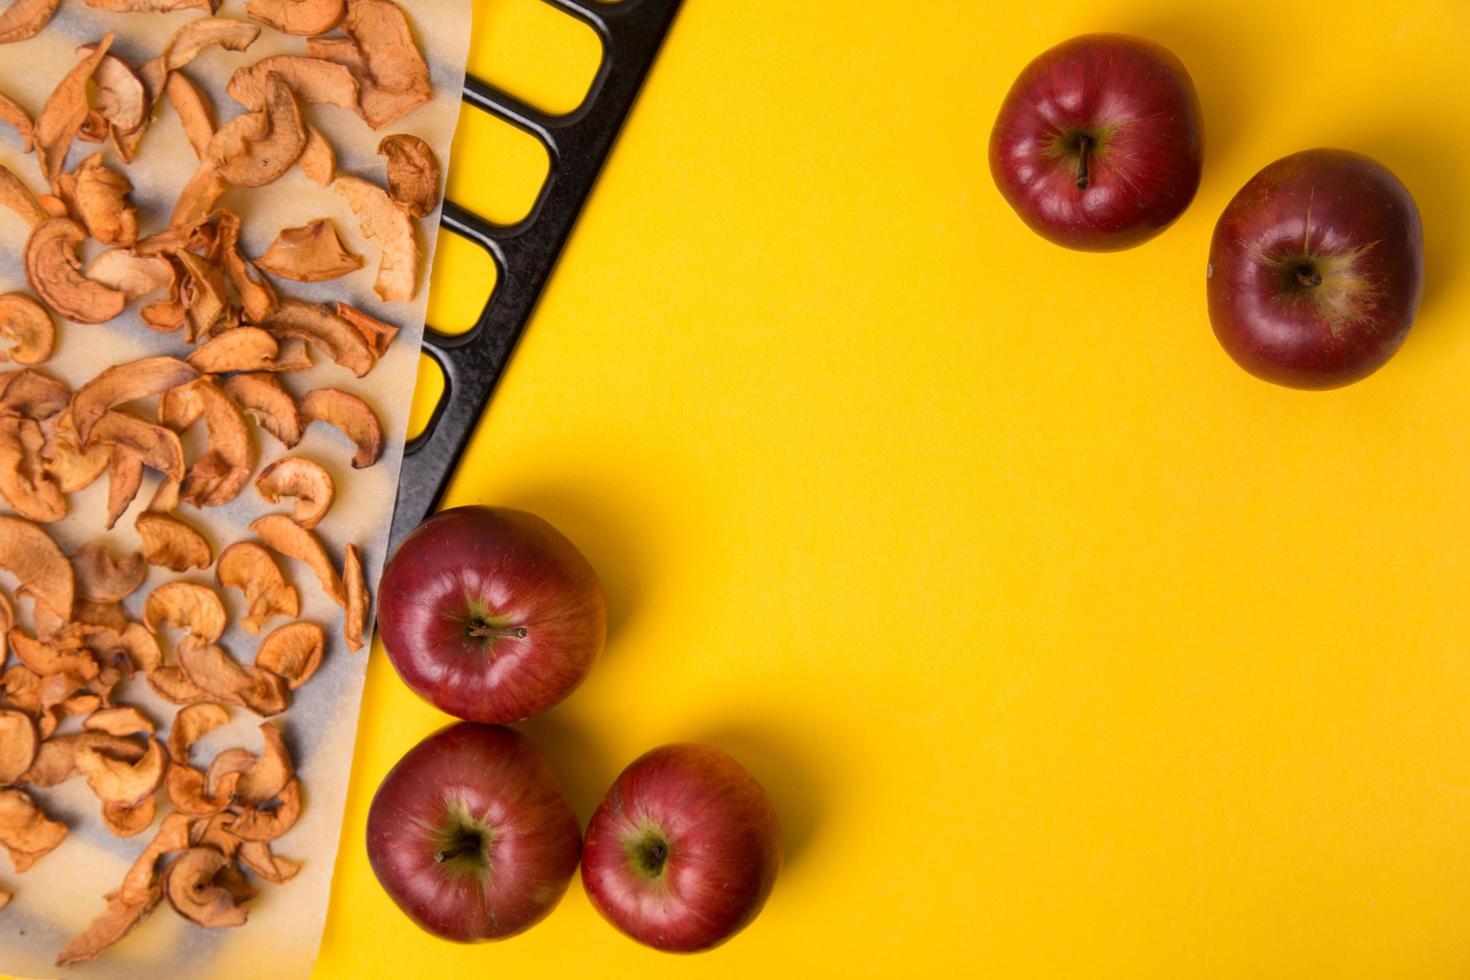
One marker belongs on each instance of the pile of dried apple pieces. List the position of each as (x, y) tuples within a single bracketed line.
[(239, 341)]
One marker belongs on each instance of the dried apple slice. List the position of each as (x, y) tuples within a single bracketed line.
[(199, 195), (102, 578), (126, 784), (25, 831), (129, 273), (358, 600), (302, 479), (24, 19), (284, 536), (268, 824), (318, 160), (215, 671), (392, 229), (120, 721), (250, 568), (219, 475), (320, 326), (241, 349), (28, 327), (185, 787), (55, 273), (413, 173), (294, 356), (194, 110), (254, 149), (311, 80), (187, 606), (381, 51), (18, 743), (29, 553), (258, 857), (190, 882), (352, 416), (129, 821), (16, 196), (193, 723), (122, 100), (301, 17), (151, 6), (66, 111), (170, 543), (378, 334), (18, 119), (109, 928), (310, 253), (268, 402), (268, 775), (102, 203), (30, 394), (174, 686), (64, 459), (56, 758), (24, 482), (293, 652), (191, 39), (127, 382)]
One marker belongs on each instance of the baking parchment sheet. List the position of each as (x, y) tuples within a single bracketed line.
[(62, 893)]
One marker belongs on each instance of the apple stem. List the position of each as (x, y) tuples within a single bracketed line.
[(482, 632), (460, 849), (1084, 146)]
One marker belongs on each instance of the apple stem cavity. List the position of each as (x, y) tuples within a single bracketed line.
[(1307, 275), (1084, 147)]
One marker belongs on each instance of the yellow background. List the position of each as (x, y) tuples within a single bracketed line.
[(1063, 647)]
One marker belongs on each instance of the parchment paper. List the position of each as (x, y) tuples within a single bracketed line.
[(62, 893)]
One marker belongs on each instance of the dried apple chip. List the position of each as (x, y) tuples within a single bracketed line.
[(219, 475), (64, 459), (319, 326), (18, 744), (55, 273), (18, 119), (174, 686), (352, 416), (268, 402), (269, 773), (413, 173), (193, 723), (199, 195), (126, 784), (16, 196), (358, 600), (56, 758), (170, 543), (258, 857), (310, 253), (302, 479), (250, 568), (215, 671), (127, 382), (24, 19), (103, 615), (122, 99), (318, 160), (102, 203), (311, 80), (24, 482), (186, 791), (265, 824), (392, 229), (120, 721), (284, 536), (241, 349), (28, 327), (133, 275), (109, 928), (25, 831), (29, 553), (194, 109), (380, 49), (191, 884), (66, 111), (187, 606), (378, 334), (151, 6), (102, 578), (254, 149), (189, 40), (31, 394), (300, 17), (293, 652), (129, 821)]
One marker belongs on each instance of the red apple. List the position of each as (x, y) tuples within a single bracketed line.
[(471, 835), (683, 852), (491, 614), (1099, 144), (1316, 270)]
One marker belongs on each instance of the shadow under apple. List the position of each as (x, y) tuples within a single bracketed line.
[(583, 767)]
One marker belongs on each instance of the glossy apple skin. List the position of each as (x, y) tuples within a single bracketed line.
[(505, 785), (1135, 102), (513, 571), (1342, 218), (723, 849)]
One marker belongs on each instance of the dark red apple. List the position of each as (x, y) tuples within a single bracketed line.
[(491, 614), (1099, 145), (471, 835), (1316, 270), (683, 852)]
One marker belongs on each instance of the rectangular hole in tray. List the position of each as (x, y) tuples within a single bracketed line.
[(498, 169), (539, 54), (463, 280), (426, 396)]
